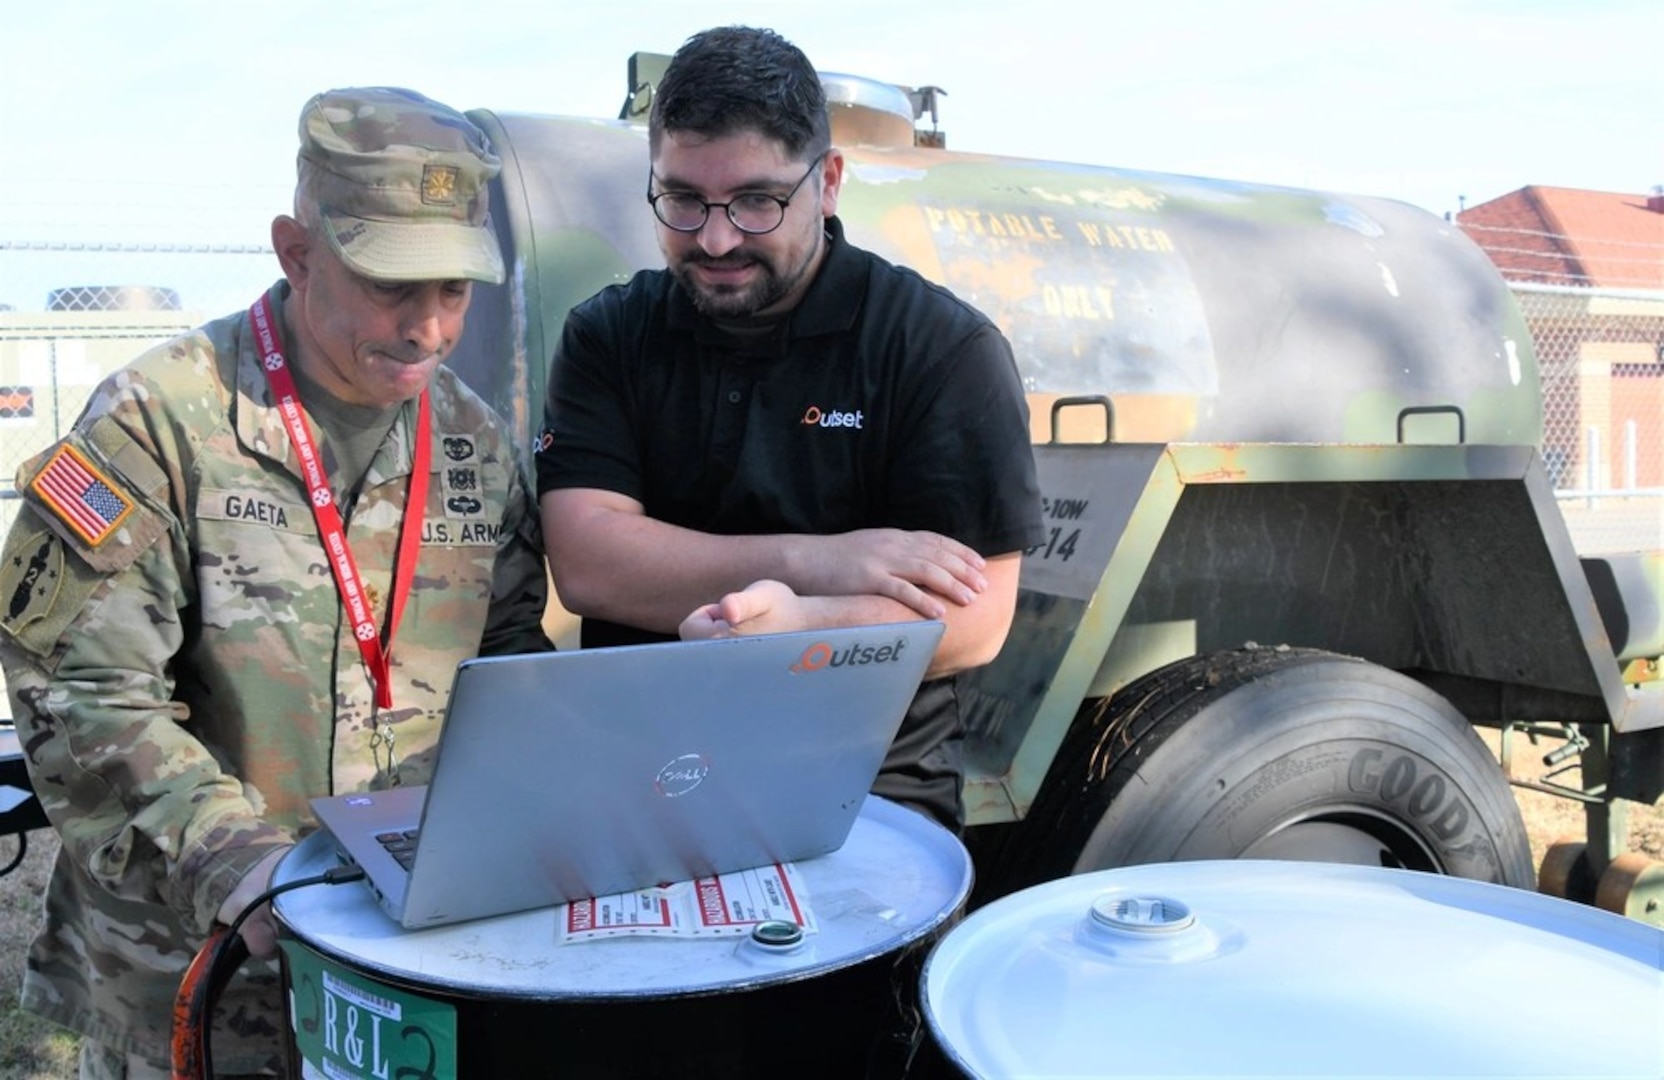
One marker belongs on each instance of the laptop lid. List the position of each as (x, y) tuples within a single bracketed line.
[(564, 775)]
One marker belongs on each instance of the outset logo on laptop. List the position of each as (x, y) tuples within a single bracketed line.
[(822, 655)]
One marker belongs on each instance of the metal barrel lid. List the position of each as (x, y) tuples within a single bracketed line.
[(897, 878), (1244, 968)]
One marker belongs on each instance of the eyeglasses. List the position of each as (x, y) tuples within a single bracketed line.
[(753, 213)]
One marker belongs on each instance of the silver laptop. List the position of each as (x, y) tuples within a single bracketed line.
[(564, 775)]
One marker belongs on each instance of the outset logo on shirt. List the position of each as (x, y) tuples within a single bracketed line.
[(817, 417)]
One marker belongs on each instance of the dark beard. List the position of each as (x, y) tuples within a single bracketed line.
[(731, 303)]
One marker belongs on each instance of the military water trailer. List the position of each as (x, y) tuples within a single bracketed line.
[(1300, 542)]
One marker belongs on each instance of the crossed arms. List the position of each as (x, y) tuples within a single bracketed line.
[(611, 561)]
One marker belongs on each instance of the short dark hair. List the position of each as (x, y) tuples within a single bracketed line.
[(740, 78)]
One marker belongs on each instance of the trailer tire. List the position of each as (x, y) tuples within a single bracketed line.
[(1275, 753)]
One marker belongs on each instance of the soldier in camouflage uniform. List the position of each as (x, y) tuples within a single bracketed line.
[(182, 667)]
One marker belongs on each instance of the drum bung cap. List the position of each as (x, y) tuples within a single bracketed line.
[(777, 935), (1141, 914)]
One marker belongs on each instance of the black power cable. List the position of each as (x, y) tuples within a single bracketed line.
[(22, 853), (230, 952)]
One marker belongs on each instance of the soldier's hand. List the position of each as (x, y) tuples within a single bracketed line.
[(918, 569), (259, 930)]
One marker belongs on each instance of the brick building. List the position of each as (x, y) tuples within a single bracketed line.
[(1589, 268)]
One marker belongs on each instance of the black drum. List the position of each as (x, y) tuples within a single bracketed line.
[(500, 997)]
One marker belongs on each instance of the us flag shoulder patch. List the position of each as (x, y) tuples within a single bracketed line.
[(81, 496)]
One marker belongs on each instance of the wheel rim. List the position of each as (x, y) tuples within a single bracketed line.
[(1354, 836)]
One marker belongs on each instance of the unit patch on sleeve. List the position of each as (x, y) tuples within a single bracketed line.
[(42, 592), (81, 496)]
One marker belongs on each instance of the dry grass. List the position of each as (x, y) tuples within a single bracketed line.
[(31, 1049), (1550, 817)]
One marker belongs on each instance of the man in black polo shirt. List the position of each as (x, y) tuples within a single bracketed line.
[(781, 431)]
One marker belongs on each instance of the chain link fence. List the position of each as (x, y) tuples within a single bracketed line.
[(1601, 358), (51, 360)]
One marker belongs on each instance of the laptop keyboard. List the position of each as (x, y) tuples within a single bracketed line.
[(401, 845)]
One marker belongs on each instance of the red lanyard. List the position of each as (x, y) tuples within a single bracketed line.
[(377, 652)]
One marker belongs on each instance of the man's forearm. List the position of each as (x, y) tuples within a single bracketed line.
[(631, 569), (965, 644), (611, 561), (975, 631)]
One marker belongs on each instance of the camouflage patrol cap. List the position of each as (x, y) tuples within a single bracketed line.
[(401, 183)]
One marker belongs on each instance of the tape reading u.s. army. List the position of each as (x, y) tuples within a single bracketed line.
[(81, 495)]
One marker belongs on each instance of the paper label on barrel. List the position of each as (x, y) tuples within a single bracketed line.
[(724, 905), (349, 1027)]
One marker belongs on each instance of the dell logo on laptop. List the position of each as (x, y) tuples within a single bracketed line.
[(682, 775)]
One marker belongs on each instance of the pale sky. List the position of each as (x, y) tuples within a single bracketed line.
[(173, 121)]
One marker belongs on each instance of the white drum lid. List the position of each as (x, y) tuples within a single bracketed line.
[(1244, 968)]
